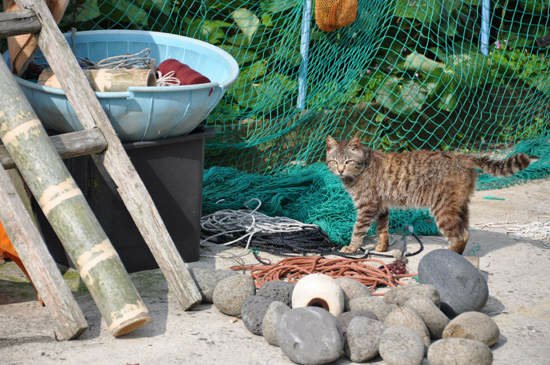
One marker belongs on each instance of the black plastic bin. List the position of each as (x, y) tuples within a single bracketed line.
[(171, 169)]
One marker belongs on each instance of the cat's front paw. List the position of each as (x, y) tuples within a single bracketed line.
[(381, 247), (348, 249)]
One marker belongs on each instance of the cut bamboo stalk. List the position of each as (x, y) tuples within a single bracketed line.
[(68, 145), (31, 249), (107, 80), (67, 211), (115, 160)]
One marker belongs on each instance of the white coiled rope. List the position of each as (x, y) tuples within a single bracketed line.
[(139, 59), (168, 79), (247, 223)]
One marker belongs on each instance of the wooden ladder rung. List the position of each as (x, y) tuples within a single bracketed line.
[(68, 145), (18, 22), (115, 161)]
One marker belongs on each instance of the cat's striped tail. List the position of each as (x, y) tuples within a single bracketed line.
[(504, 167)]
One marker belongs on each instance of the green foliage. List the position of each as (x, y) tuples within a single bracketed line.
[(533, 69), (247, 21)]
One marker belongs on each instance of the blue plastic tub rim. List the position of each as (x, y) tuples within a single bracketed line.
[(137, 89)]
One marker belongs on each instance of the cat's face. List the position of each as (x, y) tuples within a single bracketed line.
[(345, 159)]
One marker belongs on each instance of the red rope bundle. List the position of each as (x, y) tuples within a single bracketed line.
[(292, 269), (185, 74)]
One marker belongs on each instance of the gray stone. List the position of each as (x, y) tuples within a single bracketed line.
[(363, 338), (432, 316), (271, 321), (207, 279), (352, 289), (345, 318), (459, 351), (231, 292), (474, 326), (253, 311), (310, 335), (401, 346), (277, 290), (406, 317), (399, 295), (374, 304), (461, 286)]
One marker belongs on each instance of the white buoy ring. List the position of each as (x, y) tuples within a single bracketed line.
[(318, 290)]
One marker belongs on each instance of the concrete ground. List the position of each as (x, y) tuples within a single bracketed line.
[(511, 237)]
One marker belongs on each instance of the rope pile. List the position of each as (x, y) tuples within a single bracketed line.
[(246, 227), (294, 268), (279, 235)]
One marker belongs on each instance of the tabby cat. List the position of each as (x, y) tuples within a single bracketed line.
[(440, 181)]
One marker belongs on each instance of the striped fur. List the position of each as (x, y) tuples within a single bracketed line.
[(440, 181), (505, 167)]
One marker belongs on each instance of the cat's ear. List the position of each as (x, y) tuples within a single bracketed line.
[(355, 143), (331, 143)]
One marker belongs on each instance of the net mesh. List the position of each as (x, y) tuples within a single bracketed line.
[(404, 75)]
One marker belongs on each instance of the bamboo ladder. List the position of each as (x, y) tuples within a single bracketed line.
[(38, 158)]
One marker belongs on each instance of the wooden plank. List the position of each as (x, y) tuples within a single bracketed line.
[(22, 47), (69, 319), (115, 160), (68, 145), (67, 211), (20, 22)]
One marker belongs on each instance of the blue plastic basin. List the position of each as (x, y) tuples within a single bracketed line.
[(141, 113)]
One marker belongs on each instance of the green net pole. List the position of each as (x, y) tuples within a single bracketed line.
[(304, 52), (485, 23)]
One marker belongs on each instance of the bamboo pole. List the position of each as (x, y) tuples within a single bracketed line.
[(67, 211), (45, 276), (115, 161)]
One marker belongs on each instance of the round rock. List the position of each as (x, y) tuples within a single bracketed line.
[(401, 346), (277, 290), (399, 295), (253, 311), (432, 316), (352, 289), (310, 336), (207, 279), (345, 318), (271, 321), (231, 292), (406, 317), (459, 351), (461, 286), (474, 326), (363, 338), (373, 304)]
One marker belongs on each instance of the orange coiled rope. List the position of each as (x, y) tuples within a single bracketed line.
[(292, 269)]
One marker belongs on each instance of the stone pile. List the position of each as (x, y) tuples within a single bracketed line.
[(405, 326)]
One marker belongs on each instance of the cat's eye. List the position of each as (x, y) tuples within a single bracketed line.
[(332, 163), (351, 162)]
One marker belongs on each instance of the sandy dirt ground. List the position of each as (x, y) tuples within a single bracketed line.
[(510, 236)]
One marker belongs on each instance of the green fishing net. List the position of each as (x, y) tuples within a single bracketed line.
[(467, 75)]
